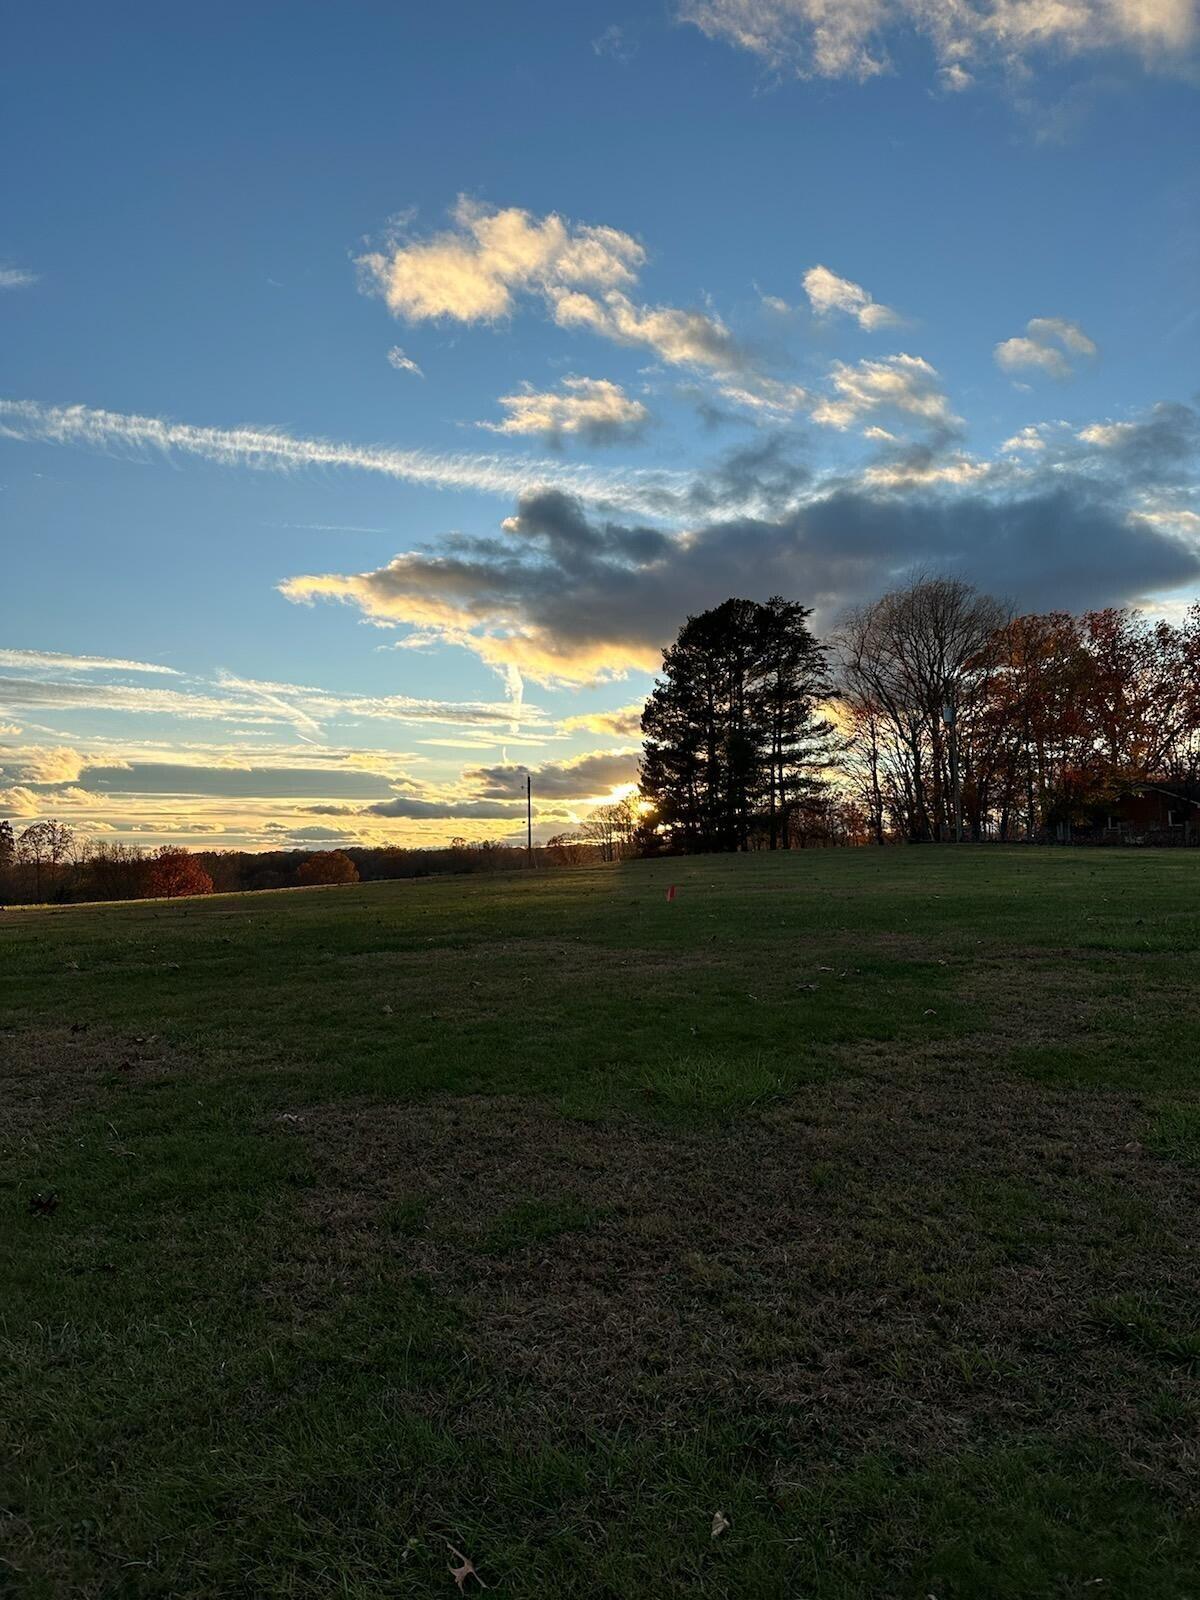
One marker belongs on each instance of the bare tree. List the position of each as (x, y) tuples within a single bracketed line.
[(913, 669), (45, 845)]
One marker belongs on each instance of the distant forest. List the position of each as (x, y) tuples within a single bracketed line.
[(931, 715)]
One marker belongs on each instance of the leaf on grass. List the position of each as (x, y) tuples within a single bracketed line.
[(461, 1573), (719, 1524)]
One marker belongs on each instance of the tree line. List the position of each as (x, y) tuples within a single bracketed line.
[(49, 861), (930, 714)]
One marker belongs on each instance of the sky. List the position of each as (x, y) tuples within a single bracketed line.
[(381, 386)]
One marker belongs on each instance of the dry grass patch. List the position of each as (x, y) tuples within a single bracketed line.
[(877, 1264), (48, 1075)]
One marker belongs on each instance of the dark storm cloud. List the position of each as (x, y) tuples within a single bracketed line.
[(1160, 448), (564, 593), (583, 582)]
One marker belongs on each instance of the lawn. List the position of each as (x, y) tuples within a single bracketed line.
[(845, 1205)]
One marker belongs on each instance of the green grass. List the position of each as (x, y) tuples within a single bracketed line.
[(850, 1194)]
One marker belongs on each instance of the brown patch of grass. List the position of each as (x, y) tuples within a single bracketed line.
[(879, 1263), (49, 1074)]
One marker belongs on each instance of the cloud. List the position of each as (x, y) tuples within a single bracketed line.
[(901, 383), (681, 338), (851, 38), (1159, 448), (614, 42), (17, 278), (828, 293), (481, 268), (316, 832), (586, 777), (591, 409), (769, 397), (53, 660), (20, 802), (402, 363), (1028, 438), (447, 810), (268, 449), (1046, 346), (39, 764), (253, 703), (573, 599), (473, 271), (623, 723)]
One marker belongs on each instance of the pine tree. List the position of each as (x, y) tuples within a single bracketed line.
[(731, 736)]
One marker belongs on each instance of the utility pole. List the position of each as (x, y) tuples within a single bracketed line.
[(529, 818)]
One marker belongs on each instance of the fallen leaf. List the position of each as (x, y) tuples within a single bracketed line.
[(466, 1570), (720, 1523)]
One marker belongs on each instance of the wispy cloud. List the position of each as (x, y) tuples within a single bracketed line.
[(402, 363), (250, 702), (272, 449), (16, 278), (55, 661)]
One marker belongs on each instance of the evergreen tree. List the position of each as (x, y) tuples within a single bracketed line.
[(732, 741)]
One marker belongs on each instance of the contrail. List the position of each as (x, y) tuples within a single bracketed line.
[(645, 493)]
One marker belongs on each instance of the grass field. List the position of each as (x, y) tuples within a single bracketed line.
[(851, 1196)]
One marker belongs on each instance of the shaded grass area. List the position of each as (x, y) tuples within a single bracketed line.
[(851, 1195)]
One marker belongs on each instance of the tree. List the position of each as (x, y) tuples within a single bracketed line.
[(45, 846), (731, 736), (115, 871), (173, 872), (327, 866), (914, 668), (610, 828)]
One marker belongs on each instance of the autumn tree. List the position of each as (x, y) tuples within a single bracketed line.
[(174, 872), (327, 866)]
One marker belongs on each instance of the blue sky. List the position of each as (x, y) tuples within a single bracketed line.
[(773, 304)]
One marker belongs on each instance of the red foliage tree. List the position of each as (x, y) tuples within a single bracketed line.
[(174, 873), (327, 866)]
